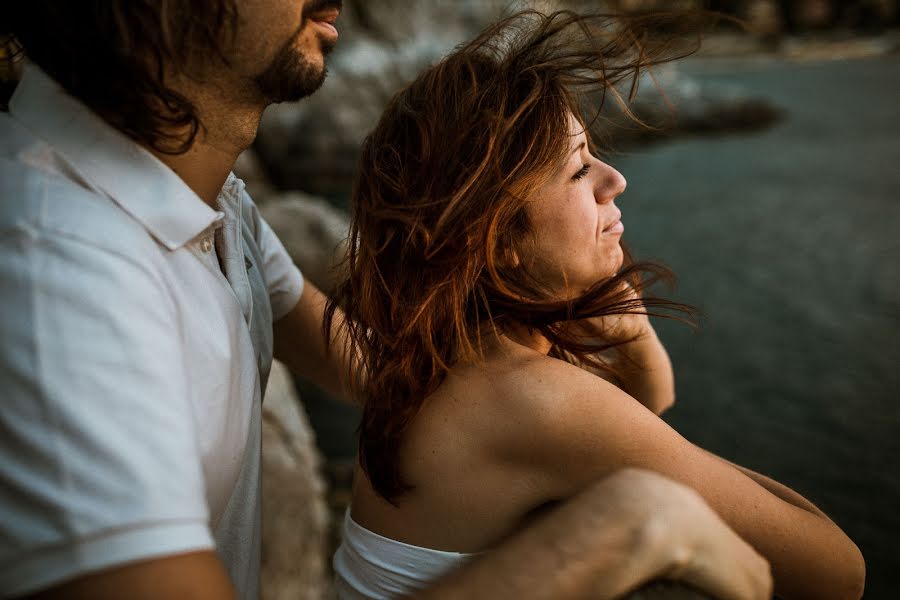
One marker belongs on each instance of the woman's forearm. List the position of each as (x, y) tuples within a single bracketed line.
[(845, 578), (777, 489), (645, 372)]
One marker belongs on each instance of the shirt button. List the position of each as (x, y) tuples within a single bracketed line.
[(206, 245)]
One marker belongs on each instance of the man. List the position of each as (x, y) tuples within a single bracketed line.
[(144, 298)]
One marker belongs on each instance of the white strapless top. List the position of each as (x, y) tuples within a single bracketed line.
[(368, 566)]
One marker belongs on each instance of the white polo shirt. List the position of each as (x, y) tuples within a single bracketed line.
[(131, 367)]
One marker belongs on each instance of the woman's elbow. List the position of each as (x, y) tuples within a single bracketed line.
[(841, 577), (848, 581), (856, 574)]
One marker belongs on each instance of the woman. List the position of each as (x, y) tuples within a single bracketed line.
[(508, 354)]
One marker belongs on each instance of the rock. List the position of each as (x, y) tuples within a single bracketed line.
[(313, 232), (810, 14), (762, 16), (314, 145), (295, 518), (703, 108)]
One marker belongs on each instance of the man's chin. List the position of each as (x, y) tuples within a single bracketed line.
[(327, 46), (291, 77)]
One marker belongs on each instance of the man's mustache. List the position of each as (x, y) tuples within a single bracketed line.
[(317, 6)]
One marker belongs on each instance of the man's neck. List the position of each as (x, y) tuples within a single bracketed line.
[(229, 127)]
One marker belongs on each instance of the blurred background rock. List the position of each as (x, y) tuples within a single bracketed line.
[(314, 145)]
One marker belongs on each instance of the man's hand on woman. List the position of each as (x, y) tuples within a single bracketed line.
[(628, 529)]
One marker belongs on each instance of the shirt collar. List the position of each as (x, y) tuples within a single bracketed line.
[(110, 161)]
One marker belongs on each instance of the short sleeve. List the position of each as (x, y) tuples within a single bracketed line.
[(284, 281), (100, 464)]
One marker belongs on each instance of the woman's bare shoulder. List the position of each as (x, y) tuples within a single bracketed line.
[(560, 428), (511, 396), (536, 386), (570, 425)]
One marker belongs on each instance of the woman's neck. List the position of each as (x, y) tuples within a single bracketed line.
[(530, 338)]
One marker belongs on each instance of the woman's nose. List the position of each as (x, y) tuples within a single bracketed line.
[(611, 184)]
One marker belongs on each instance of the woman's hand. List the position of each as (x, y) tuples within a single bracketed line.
[(624, 328), (640, 360)]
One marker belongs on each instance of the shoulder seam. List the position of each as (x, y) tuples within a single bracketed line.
[(37, 233)]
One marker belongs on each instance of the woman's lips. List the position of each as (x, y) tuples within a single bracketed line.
[(615, 226)]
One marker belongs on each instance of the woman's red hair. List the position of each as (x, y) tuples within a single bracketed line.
[(438, 213)]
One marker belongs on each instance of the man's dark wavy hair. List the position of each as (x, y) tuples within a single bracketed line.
[(113, 55)]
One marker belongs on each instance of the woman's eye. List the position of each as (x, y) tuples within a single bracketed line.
[(581, 172)]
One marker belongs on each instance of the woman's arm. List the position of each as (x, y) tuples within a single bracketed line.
[(627, 529), (573, 428), (782, 491), (641, 362), (645, 371)]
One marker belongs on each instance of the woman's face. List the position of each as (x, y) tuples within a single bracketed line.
[(575, 222)]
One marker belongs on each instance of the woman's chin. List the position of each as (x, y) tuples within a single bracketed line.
[(618, 260), (613, 265)]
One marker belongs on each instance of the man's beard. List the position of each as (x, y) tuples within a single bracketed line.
[(291, 76)]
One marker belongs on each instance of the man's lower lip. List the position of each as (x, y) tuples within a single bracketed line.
[(328, 27), (617, 227)]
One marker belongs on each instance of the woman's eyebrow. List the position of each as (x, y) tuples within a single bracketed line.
[(563, 162), (577, 148)]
